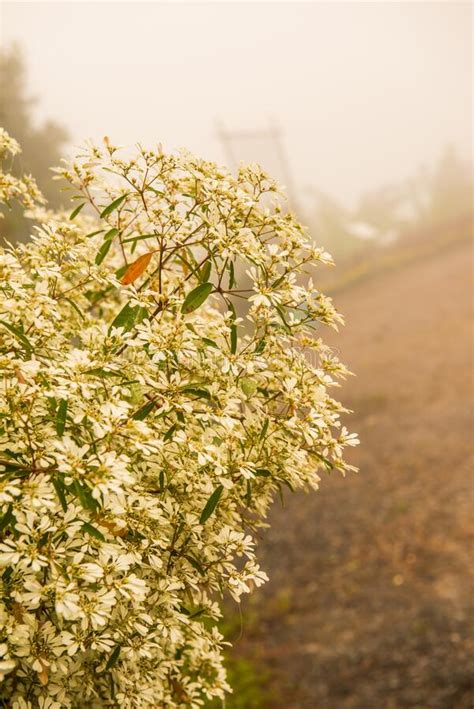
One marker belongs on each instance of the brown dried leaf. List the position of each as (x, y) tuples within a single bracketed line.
[(136, 269), (20, 376)]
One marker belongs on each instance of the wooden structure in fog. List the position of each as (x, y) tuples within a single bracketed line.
[(264, 146)]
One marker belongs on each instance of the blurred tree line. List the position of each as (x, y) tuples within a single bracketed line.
[(432, 198), (42, 145), (436, 198)]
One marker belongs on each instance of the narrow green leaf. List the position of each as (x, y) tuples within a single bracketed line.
[(134, 239), (205, 272), (112, 206), (232, 281), (233, 338), (111, 234), (197, 613), (326, 461), (262, 473), (248, 494), (248, 386), (264, 429), (170, 432), (260, 346), (209, 343), (100, 372), (60, 492), (282, 316), (74, 306), (129, 316), (103, 251), (200, 393), (113, 658), (92, 531), (233, 329), (195, 564), (18, 334), (196, 297), (61, 417), (76, 211), (143, 412), (43, 539), (7, 518), (94, 233), (278, 281), (85, 496), (211, 504)]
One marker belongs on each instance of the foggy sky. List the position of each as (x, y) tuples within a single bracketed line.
[(364, 92)]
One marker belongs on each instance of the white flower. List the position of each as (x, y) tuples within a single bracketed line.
[(143, 425)]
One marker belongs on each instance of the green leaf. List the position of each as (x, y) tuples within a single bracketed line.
[(233, 338), (85, 496), (196, 297), (76, 211), (7, 518), (134, 239), (94, 233), (61, 417), (282, 316), (170, 432), (43, 539), (129, 316), (113, 658), (195, 564), (248, 386), (232, 281), (100, 372), (197, 613), (263, 473), (92, 531), (248, 494), (74, 306), (264, 429), (200, 393), (233, 329), (278, 281), (112, 206), (18, 334), (103, 251), (111, 234), (162, 480), (143, 412), (60, 492), (260, 346), (205, 272), (326, 461), (209, 343), (211, 504)]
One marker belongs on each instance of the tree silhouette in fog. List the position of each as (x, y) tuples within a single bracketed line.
[(41, 144)]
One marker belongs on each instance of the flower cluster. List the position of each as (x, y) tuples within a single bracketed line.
[(162, 377)]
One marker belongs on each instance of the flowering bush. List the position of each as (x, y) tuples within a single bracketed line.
[(150, 409)]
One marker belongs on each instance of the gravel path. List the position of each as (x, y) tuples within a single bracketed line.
[(368, 602)]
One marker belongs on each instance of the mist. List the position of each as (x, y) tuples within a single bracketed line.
[(361, 93)]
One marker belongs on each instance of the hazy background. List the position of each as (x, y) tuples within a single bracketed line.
[(362, 91), (364, 111)]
